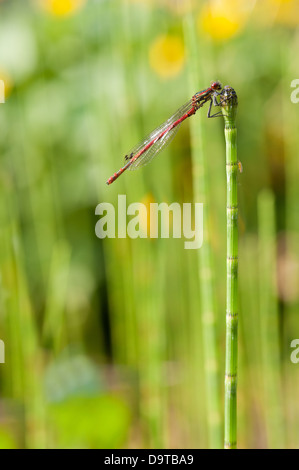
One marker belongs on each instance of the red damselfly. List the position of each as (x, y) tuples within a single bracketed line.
[(151, 145)]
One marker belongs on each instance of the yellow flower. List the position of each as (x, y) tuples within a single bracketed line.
[(281, 1), (288, 12), (61, 7), (223, 20), (284, 12), (166, 55)]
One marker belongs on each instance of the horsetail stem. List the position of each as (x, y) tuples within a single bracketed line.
[(229, 103)]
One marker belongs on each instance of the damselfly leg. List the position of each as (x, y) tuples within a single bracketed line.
[(214, 102)]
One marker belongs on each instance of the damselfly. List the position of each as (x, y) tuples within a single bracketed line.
[(151, 145)]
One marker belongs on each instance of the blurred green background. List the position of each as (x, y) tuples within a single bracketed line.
[(119, 343)]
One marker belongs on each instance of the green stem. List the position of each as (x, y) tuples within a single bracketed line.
[(207, 290), (229, 104), (269, 321)]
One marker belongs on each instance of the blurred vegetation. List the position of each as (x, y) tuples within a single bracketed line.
[(104, 339)]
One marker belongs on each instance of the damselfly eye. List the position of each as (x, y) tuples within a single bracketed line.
[(216, 85)]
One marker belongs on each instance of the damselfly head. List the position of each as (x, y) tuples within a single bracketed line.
[(216, 85)]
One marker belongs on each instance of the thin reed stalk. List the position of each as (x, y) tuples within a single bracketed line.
[(229, 103), (269, 326), (207, 294)]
